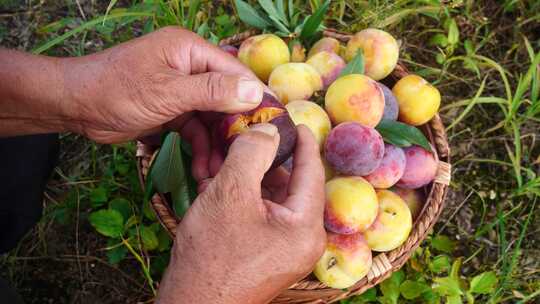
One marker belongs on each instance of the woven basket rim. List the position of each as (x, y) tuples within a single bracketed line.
[(310, 290)]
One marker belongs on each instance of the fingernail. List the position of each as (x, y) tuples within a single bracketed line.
[(265, 128), (249, 91)]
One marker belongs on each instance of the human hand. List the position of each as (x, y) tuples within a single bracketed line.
[(150, 83), (235, 246)]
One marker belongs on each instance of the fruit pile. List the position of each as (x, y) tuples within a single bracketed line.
[(372, 183)]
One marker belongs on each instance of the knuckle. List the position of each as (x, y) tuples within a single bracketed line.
[(214, 87)]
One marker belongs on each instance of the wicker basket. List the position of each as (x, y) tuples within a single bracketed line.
[(310, 290)]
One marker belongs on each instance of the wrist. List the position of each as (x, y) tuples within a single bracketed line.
[(32, 93)]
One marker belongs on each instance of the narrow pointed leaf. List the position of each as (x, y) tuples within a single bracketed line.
[(168, 172), (290, 8), (250, 16), (402, 135), (355, 66), (280, 6), (272, 11), (312, 23)]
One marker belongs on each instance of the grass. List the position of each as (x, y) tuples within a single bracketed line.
[(483, 56)]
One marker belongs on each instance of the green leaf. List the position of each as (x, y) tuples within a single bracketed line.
[(390, 288), (412, 290), (192, 13), (453, 32), (355, 66), (430, 297), (280, 6), (290, 7), (446, 286), (250, 16), (369, 295), (402, 135), (181, 200), (312, 23), (107, 222), (439, 40), (121, 205), (440, 264), (270, 9), (454, 300), (484, 283), (164, 240), (168, 169), (169, 173), (149, 238), (443, 243), (278, 24), (98, 196), (118, 251)]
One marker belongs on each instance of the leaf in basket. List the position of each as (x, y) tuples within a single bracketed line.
[(272, 11), (314, 21), (169, 174), (356, 66), (402, 135), (250, 16)]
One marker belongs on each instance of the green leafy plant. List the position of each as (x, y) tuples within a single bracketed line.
[(283, 20)]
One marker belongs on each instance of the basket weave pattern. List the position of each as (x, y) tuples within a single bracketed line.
[(310, 290)]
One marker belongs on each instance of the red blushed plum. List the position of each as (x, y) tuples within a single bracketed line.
[(413, 198), (420, 170), (391, 107), (230, 49), (269, 111), (354, 149), (391, 169)]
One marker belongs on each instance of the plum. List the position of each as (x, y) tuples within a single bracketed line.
[(418, 100), (391, 107), (328, 64), (269, 111), (390, 170), (354, 149), (381, 52), (294, 81), (263, 53), (230, 49), (354, 97), (327, 44), (420, 170)]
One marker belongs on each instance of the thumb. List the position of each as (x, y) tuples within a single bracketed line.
[(249, 157), (217, 92)]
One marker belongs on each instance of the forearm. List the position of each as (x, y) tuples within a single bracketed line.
[(32, 94)]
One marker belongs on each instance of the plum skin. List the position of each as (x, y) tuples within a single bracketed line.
[(269, 111), (391, 107), (354, 149), (421, 168), (391, 169)]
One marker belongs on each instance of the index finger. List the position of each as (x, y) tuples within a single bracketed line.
[(306, 186)]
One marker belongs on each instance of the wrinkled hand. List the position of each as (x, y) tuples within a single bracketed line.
[(233, 245), (150, 83)]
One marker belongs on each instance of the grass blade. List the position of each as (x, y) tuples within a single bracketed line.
[(86, 26), (469, 106), (314, 21)]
